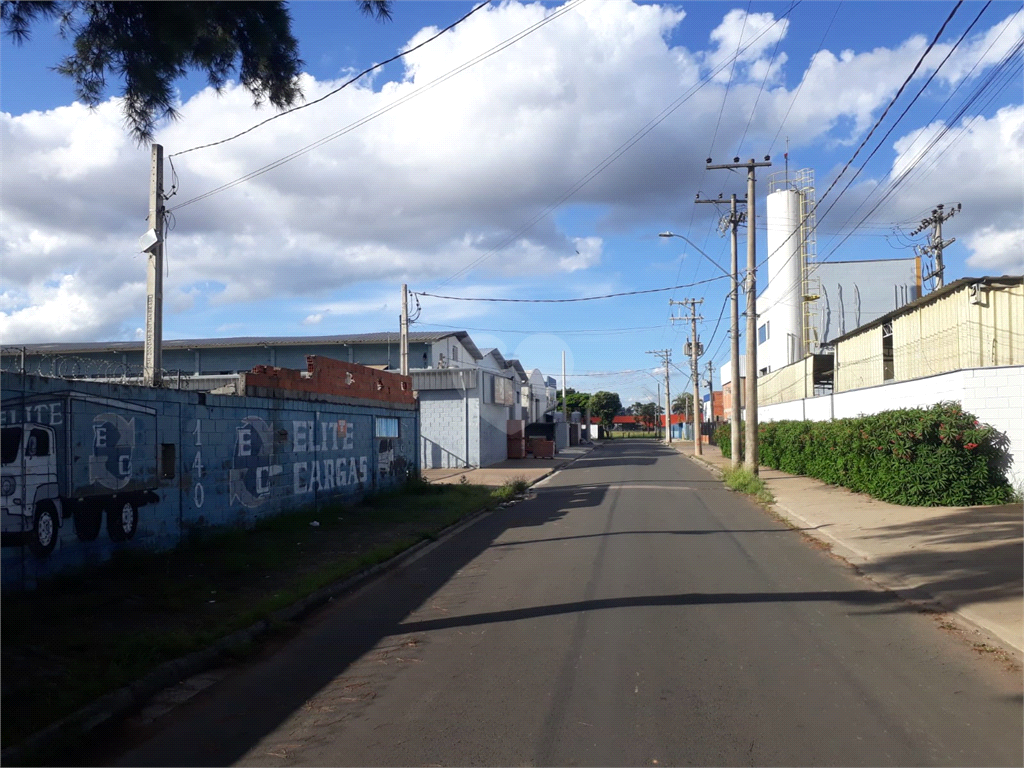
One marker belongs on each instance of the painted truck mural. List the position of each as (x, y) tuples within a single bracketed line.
[(71, 456), (89, 468)]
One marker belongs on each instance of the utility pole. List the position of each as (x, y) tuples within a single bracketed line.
[(565, 405), (694, 349), (657, 427), (152, 357), (734, 220), (666, 359), (404, 343), (934, 248), (751, 430), (710, 381)]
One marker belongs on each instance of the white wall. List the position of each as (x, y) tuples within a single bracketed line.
[(994, 395)]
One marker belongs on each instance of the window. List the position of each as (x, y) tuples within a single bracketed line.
[(386, 426), (167, 461), (38, 443), (455, 354), (888, 365), (762, 333)]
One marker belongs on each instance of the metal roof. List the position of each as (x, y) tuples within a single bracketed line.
[(391, 337), (945, 290)]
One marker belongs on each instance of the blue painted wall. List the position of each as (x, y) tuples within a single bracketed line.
[(236, 459)]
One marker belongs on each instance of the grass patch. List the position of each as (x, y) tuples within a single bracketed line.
[(745, 481), (511, 489), (88, 633)]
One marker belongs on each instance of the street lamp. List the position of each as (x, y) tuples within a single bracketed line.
[(734, 347), (682, 237)]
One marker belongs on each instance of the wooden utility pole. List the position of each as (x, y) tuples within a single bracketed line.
[(152, 357), (404, 332), (751, 285), (734, 220)]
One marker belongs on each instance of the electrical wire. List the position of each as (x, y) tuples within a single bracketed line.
[(568, 301), (863, 143), (615, 155), (339, 88), (563, 332), (804, 79), (572, 5)]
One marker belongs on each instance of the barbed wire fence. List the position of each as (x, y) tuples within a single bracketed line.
[(25, 361)]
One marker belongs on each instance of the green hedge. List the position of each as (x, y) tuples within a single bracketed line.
[(938, 456), (723, 439)]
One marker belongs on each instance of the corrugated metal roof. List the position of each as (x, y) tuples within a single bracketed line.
[(928, 298), (254, 341)]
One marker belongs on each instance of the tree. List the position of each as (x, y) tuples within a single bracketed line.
[(684, 404), (648, 416), (606, 406), (152, 44), (577, 401)]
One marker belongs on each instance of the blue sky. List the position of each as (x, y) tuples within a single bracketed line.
[(488, 168)]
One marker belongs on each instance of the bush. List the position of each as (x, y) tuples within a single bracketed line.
[(723, 439), (938, 456)]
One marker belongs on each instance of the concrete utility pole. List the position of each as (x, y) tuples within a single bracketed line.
[(734, 220), (152, 357), (565, 405), (404, 343), (934, 248), (698, 448), (666, 358), (710, 381), (752, 463)]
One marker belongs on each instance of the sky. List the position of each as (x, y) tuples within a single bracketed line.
[(533, 152)]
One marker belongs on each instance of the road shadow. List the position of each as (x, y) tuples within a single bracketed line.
[(227, 723), (656, 533)]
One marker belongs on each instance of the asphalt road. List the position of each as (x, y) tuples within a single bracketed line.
[(634, 612)]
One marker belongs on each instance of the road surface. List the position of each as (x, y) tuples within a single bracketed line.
[(635, 612)]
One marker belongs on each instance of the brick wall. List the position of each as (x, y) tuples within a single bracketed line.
[(326, 376)]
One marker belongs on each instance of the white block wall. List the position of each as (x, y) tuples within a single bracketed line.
[(994, 395), (444, 438)]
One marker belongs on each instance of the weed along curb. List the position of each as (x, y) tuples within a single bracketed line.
[(121, 703)]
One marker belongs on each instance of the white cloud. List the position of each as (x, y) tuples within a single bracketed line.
[(446, 180), (1000, 251)]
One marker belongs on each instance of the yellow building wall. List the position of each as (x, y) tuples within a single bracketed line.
[(859, 361), (793, 382), (948, 334)]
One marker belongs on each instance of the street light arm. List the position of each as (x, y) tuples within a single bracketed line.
[(697, 248)]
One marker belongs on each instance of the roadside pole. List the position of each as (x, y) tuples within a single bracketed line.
[(404, 331), (152, 357), (751, 463)]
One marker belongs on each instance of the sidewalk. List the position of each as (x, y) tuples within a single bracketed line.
[(967, 560), (498, 474)]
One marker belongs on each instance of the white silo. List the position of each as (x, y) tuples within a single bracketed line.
[(780, 304)]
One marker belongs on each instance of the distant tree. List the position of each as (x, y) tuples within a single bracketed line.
[(606, 406), (151, 44), (648, 416), (577, 401), (684, 404)]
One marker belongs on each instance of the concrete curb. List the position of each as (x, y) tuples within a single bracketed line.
[(130, 698)]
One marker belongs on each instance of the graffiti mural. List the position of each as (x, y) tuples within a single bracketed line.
[(89, 467), (63, 460)]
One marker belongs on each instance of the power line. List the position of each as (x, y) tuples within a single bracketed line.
[(339, 88), (804, 79), (568, 301), (615, 155), (863, 143), (383, 110), (562, 332)]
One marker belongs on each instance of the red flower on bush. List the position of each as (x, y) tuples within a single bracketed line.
[(970, 446)]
